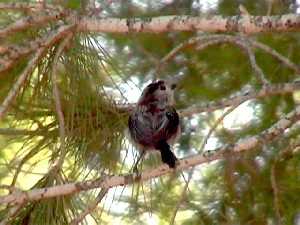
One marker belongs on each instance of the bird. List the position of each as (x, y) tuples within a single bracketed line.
[(154, 123)]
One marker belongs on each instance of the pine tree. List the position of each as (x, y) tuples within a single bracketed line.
[(69, 71)]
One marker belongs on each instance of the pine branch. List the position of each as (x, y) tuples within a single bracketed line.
[(244, 44), (29, 68), (28, 6), (57, 99), (268, 90), (247, 24), (204, 41), (13, 53), (12, 213), (252, 94), (240, 23), (184, 45), (30, 21), (258, 71), (111, 181), (276, 55)]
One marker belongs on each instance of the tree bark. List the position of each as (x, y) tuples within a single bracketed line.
[(240, 23)]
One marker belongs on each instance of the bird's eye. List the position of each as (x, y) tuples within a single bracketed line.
[(173, 86), (162, 87)]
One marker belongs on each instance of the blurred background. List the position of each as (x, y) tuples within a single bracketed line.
[(100, 76)]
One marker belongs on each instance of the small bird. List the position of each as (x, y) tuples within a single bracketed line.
[(154, 123)]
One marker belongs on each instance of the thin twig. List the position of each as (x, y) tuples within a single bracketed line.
[(276, 55), (276, 194), (58, 107), (13, 53), (215, 125), (30, 21), (258, 71), (30, 67), (283, 155), (184, 45), (242, 42), (252, 94), (13, 212), (205, 41), (13, 209)]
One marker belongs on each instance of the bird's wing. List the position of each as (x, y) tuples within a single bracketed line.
[(140, 130), (169, 126)]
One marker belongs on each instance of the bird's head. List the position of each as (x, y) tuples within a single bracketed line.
[(160, 93)]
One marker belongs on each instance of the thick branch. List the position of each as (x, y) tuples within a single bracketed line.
[(241, 23), (111, 181)]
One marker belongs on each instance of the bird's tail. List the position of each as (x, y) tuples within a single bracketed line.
[(167, 155)]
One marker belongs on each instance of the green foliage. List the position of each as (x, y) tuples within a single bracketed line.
[(51, 211), (92, 73)]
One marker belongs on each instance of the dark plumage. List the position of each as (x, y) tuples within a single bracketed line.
[(154, 123)]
